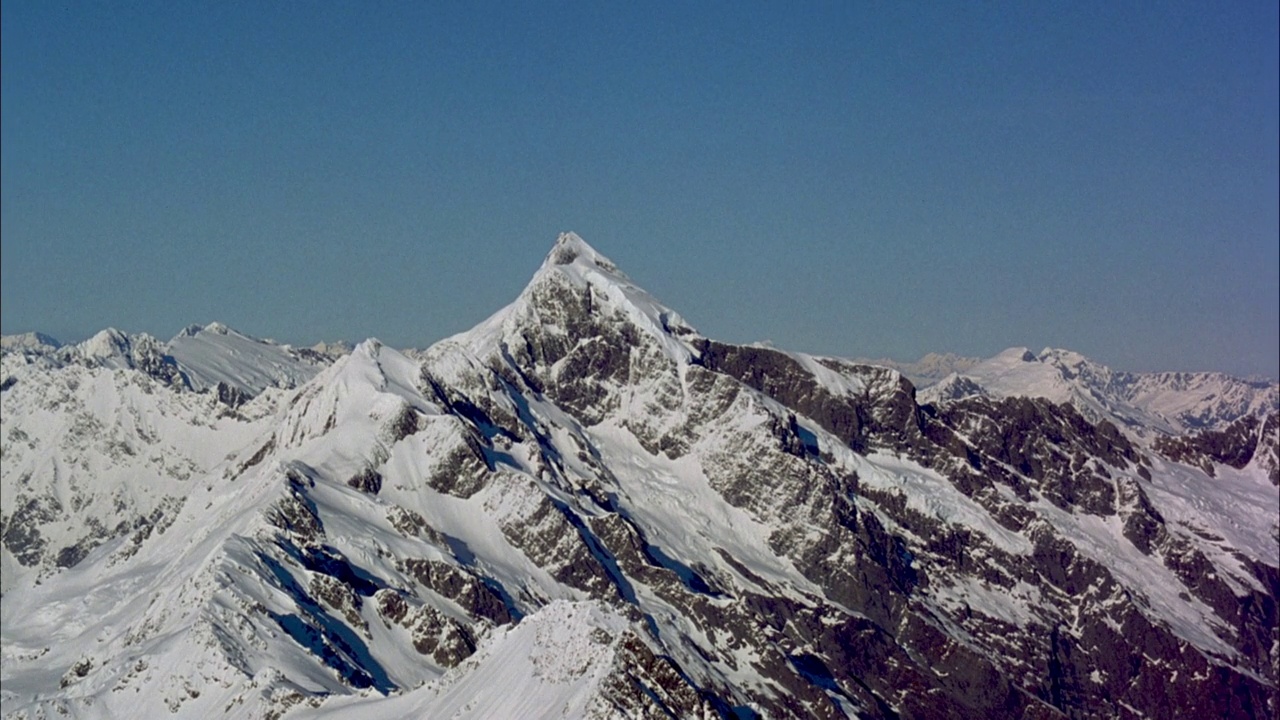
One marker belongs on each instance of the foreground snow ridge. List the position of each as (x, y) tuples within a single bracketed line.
[(583, 507)]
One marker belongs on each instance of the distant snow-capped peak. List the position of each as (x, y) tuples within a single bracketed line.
[(1165, 403), (32, 341), (213, 327)]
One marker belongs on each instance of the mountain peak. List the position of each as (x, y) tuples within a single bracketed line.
[(576, 280), (571, 249), (106, 343), (214, 327), (1062, 357), (574, 264), (1017, 354)]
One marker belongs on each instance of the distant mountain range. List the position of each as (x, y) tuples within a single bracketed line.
[(583, 507), (199, 358), (929, 369)]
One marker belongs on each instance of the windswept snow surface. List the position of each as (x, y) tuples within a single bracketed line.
[(215, 353), (1237, 510)]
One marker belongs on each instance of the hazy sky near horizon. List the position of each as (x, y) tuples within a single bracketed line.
[(848, 178)]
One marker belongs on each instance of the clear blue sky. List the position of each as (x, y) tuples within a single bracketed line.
[(849, 178)]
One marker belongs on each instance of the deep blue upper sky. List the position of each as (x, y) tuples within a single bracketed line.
[(859, 179)]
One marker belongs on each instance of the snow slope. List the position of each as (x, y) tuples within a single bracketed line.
[(217, 354)]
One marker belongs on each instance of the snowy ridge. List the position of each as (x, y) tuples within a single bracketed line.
[(1203, 401)]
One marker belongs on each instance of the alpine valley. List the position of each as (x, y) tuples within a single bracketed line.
[(583, 508)]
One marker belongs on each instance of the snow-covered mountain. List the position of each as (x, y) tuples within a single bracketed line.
[(584, 508), (34, 342)]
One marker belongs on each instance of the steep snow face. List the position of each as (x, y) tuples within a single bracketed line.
[(364, 545), (231, 587), (112, 348), (216, 354), (1166, 403), (372, 394), (581, 508)]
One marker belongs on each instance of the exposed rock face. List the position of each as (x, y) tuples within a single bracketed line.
[(1267, 454), (1234, 446), (584, 503)]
